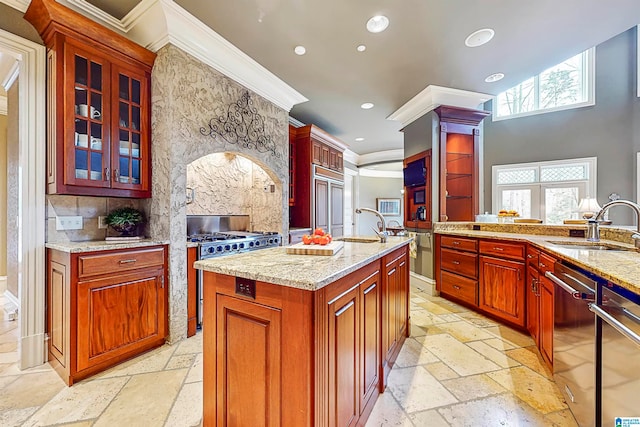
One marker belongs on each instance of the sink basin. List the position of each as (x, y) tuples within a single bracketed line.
[(359, 239), (591, 246)]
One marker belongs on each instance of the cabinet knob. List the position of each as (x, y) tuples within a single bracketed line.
[(495, 248), (455, 262), (455, 242), (456, 287)]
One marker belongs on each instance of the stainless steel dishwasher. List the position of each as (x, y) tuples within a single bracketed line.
[(574, 340), (618, 351)]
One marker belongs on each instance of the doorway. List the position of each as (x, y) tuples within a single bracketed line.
[(30, 190)]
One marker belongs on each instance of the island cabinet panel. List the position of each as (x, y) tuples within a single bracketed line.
[(370, 339), (192, 297), (395, 319), (546, 319), (502, 289), (98, 318), (249, 338)]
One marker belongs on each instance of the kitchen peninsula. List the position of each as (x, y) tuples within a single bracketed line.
[(300, 339)]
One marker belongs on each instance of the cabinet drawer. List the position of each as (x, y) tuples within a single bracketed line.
[(463, 263), (460, 287), (502, 250), (116, 262), (545, 263), (533, 256), (459, 243)]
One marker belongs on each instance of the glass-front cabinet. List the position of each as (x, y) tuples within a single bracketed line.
[(98, 106)]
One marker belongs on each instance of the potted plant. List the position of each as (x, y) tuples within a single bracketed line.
[(125, 221)]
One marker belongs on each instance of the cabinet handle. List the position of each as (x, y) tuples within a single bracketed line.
[(345, 308), (107, 174), (162, 282), (455, 242), (115, 175), (495, 248), (529, 256), (455, 262), (541, 265), (391, 272), (127, 261), (456, 287)]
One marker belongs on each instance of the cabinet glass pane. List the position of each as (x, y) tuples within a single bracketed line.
[(82, 70), (135, 91), (81, 99), (135, 118), (135, 171), (135, 145), (96, 165), (124, 87), (123, 171), (96, 76), (124, 115), (81, 163), (96, 106), (96, 137)]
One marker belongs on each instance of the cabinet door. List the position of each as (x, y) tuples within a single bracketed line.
[(58, 311), (390, 310), (85, 112), (248, 377), (117, 315), (337, 210), (131, 153), (321, 207), (502, 289), (546, 319), (369, 338), (324, 150), (344, 351), (316, 152), (533, 303), (402, 287)]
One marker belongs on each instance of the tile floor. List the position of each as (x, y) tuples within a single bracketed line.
[(458, 368)]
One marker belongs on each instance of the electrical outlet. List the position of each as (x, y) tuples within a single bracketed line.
[(102, 221), (68, 223)]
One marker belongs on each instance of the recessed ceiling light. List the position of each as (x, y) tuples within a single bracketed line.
[(494, 77), (359, 139), (366, 106), (480, 37), (300, 50), (377, 24), (361, 48)]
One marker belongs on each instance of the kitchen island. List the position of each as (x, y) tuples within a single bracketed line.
[(301, 339)]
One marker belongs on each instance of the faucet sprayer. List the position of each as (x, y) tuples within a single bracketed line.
[(382, 234), (593, 232)]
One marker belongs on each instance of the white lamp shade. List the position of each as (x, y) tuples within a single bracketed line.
[(589, 205)]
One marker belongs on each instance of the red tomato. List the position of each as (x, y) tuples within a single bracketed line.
[(318, 232), (329, 237), (316, 239), (323, 240), (307, 240)]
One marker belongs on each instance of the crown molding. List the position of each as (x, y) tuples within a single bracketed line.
[(432, 97), (381, 157), (295, 122), (20, 5), (95, 13), (3, 105), (159, 22), (350, 157)]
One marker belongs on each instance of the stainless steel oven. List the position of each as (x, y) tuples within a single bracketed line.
[(574, 342)]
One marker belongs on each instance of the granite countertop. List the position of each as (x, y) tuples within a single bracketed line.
[(101, 245), (310, 272), (619, 267)]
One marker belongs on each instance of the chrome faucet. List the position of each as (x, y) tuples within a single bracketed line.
[(382, 234), (593, 232)]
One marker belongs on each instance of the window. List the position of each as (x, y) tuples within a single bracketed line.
[(569, 84), (550, 190)]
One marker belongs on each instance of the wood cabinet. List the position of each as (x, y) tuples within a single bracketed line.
[(317, 180), (292, 167), (98, 86), (540, 301), (457, 268), (192, 292), (546, 319), (459, 162), (301, 357), (418, 197), (104, 307), (395, 308)]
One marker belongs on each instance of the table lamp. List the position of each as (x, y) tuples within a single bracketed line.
[(588, 207)]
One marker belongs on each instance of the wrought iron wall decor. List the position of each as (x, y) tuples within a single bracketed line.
[(241, 124)]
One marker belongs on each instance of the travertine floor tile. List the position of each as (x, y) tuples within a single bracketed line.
[(83, 401), (413, 354), (31, 390), (429, 418), (561, 419), (473, 387), (195, 373), (534, 389), (513, 337), (192, 345), (417, 390), (498, 357), (464, 332), (181, 361), (16, 417), (187, 410), (477, 319), (436, 308), (144, 401), (441, 371), (387, 412), (459, 357), (502, 410), (499, 344), (530, 357), (152, 361)]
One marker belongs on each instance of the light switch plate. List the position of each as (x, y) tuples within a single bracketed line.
[(68, 223)]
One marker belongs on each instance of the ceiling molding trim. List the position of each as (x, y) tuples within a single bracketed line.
[(11, 76), (20, 5), (381, 157), (350, 156), (374, 173), (163, 21), (295, 122), (95, 13), (432, 97), (3, 105)]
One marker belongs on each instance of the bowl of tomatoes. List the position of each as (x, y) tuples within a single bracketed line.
[(319, 237)]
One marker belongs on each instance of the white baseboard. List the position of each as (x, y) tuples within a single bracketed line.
[(3, 284), (426, 284), (34, 351)]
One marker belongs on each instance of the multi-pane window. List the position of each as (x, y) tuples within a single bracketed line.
[(569, 84), (550, 191)]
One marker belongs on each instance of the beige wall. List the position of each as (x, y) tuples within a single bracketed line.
[(3, 195), (12, 189)]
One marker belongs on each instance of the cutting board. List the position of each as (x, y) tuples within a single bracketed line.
[(302, 249)]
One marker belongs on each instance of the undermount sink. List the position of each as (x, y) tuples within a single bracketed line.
[(591, 246), (359, 239)]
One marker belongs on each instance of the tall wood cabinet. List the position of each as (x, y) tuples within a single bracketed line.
[(418, 197), (459, 162), (316, 194), (98, 106), (104, 307)]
